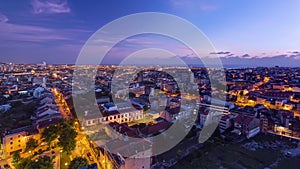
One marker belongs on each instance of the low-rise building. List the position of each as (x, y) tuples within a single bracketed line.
[(120, 116), (110, 107), (226, 122), (15, 140), (249, 126)]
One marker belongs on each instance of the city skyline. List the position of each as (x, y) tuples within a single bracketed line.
[(245, 34), (149, 84)]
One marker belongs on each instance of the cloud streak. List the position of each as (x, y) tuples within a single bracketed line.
[(3, 18), (220, 53), (35, 34), (192, 5), (50, 7)]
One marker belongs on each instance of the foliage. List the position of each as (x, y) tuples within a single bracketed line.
[(31, 144), (44, 162), (179, 152), (50, 134), (67, 139), (16, 157), (22, 163), (78, 162), (66, 134)]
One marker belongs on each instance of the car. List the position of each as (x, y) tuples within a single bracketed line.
[(6, 166), (288, 154), (89, 155)]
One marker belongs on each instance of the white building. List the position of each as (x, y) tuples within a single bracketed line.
[(120, 116)]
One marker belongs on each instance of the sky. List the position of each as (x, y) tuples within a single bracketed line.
[(244, 33)]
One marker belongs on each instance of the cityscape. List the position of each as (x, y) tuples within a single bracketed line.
[(149, 85)]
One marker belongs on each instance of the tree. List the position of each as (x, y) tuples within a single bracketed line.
[(31, 144), (50, 134), (44, 162), (78, 162), (22, 163), (67, 139), (16, 157), (178, 153)]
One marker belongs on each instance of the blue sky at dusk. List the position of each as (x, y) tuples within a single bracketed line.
[(252, 32)]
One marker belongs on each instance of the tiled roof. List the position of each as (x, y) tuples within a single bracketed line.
[(49, 122), (243, 119), (156, 128)]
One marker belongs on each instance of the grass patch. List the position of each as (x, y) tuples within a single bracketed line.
[(64, 158)]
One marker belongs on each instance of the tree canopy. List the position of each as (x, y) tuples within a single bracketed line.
[(78, 162), (42, 162), (67, 139), (50, 133), (16, 157), (31, 144)]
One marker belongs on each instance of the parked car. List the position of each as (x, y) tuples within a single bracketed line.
[(6, 166), (288, 154)]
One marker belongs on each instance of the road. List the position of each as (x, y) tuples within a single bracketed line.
[(62, 104), (83, 146)]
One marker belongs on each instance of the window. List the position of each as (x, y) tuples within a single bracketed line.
[(11, 142), (11, 138)]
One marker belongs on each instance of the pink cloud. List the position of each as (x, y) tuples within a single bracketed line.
[(50, 7)]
